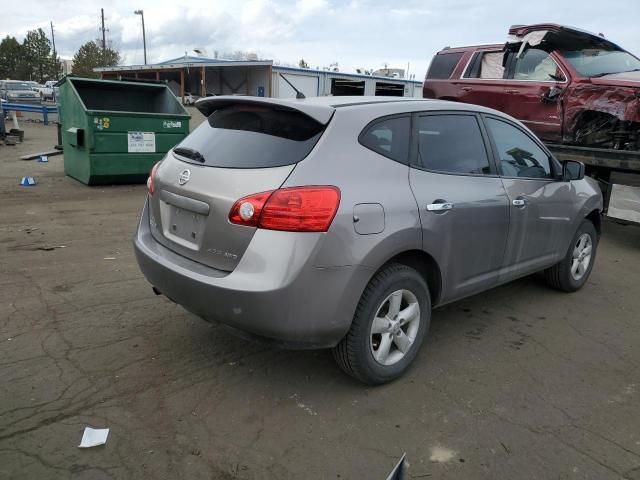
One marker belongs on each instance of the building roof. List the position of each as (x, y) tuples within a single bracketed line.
[(187, 61)]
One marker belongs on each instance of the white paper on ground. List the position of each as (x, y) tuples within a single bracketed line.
[(93, 437)]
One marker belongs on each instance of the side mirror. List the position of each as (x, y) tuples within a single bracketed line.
[(572, 170)]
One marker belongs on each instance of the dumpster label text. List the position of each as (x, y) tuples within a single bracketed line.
[(171, 124), (141, 142)]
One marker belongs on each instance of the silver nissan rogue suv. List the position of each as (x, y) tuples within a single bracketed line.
[(340, 222)]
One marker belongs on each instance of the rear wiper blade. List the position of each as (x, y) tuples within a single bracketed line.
[(189, 153)]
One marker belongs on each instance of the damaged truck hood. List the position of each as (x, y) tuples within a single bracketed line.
[(622, 79)]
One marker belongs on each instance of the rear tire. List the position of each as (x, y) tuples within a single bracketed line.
[(388, 328), (573, 271)]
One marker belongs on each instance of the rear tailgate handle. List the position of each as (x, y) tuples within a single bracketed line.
[(195, 206)]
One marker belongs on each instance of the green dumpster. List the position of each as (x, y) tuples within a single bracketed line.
[(113, 131)]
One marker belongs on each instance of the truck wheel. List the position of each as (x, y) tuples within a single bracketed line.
[(388, 328), (573, 271)]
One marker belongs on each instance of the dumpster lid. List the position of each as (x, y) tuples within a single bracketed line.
[(320, 113)]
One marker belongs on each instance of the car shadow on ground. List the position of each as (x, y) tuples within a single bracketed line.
[(211, 347)]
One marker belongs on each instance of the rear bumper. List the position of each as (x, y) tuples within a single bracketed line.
[(274, 293)]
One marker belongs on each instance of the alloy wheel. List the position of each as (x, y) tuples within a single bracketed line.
[(581, 256), (395, 327)]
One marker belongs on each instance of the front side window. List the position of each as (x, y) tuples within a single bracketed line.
[(519, 155), (452, 144), (389, 137), (536, 65)]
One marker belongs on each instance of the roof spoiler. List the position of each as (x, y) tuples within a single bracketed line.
[(320, 113)]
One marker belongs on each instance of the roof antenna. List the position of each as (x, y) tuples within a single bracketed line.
[(299, 94)]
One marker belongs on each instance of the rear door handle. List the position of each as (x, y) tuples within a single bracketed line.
[(439, 207), (511, 91), (519, 202), (466, 89)]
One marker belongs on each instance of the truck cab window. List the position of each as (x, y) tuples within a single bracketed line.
[(536, 65)]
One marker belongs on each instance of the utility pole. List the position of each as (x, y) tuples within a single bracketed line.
[(144, 38), (53, 41), (104, 43)]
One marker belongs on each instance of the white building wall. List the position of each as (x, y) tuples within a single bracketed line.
[(315, 83), (309, 85)]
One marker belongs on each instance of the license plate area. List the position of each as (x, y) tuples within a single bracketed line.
[(183, 227)]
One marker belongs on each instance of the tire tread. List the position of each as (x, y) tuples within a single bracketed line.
[(557, 276), (345, 352)]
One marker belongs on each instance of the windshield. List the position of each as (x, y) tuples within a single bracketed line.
[(594, 62), (18, 86)]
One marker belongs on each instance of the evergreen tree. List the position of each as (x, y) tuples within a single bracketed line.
[(90, 56), (11, 59), (39, 64)]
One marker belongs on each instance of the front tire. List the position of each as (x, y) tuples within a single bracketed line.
[(388, 328), (573, 271)]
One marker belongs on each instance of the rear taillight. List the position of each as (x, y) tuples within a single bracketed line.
[(296, 209), (151, 181), (247, 210)]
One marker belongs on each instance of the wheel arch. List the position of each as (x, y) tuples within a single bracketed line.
[(425, 264), (582, 117), (595, 216)]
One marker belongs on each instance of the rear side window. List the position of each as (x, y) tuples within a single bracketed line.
[(486, 65), (442, 65), (247, 136), (519, 155), (389, 137), (452, 144)]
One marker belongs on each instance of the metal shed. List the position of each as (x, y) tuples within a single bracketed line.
[(200, 76), (207, 76)]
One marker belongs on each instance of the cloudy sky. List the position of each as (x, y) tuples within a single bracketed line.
[(354, 33)]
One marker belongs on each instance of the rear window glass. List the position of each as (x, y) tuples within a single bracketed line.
[(452, 144), (389, 137), (246, 136), (486, 65), (442, 65)]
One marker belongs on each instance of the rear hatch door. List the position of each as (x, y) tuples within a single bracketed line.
[(244, 147)]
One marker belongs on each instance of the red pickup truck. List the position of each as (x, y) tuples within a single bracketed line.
[(569, 86)]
